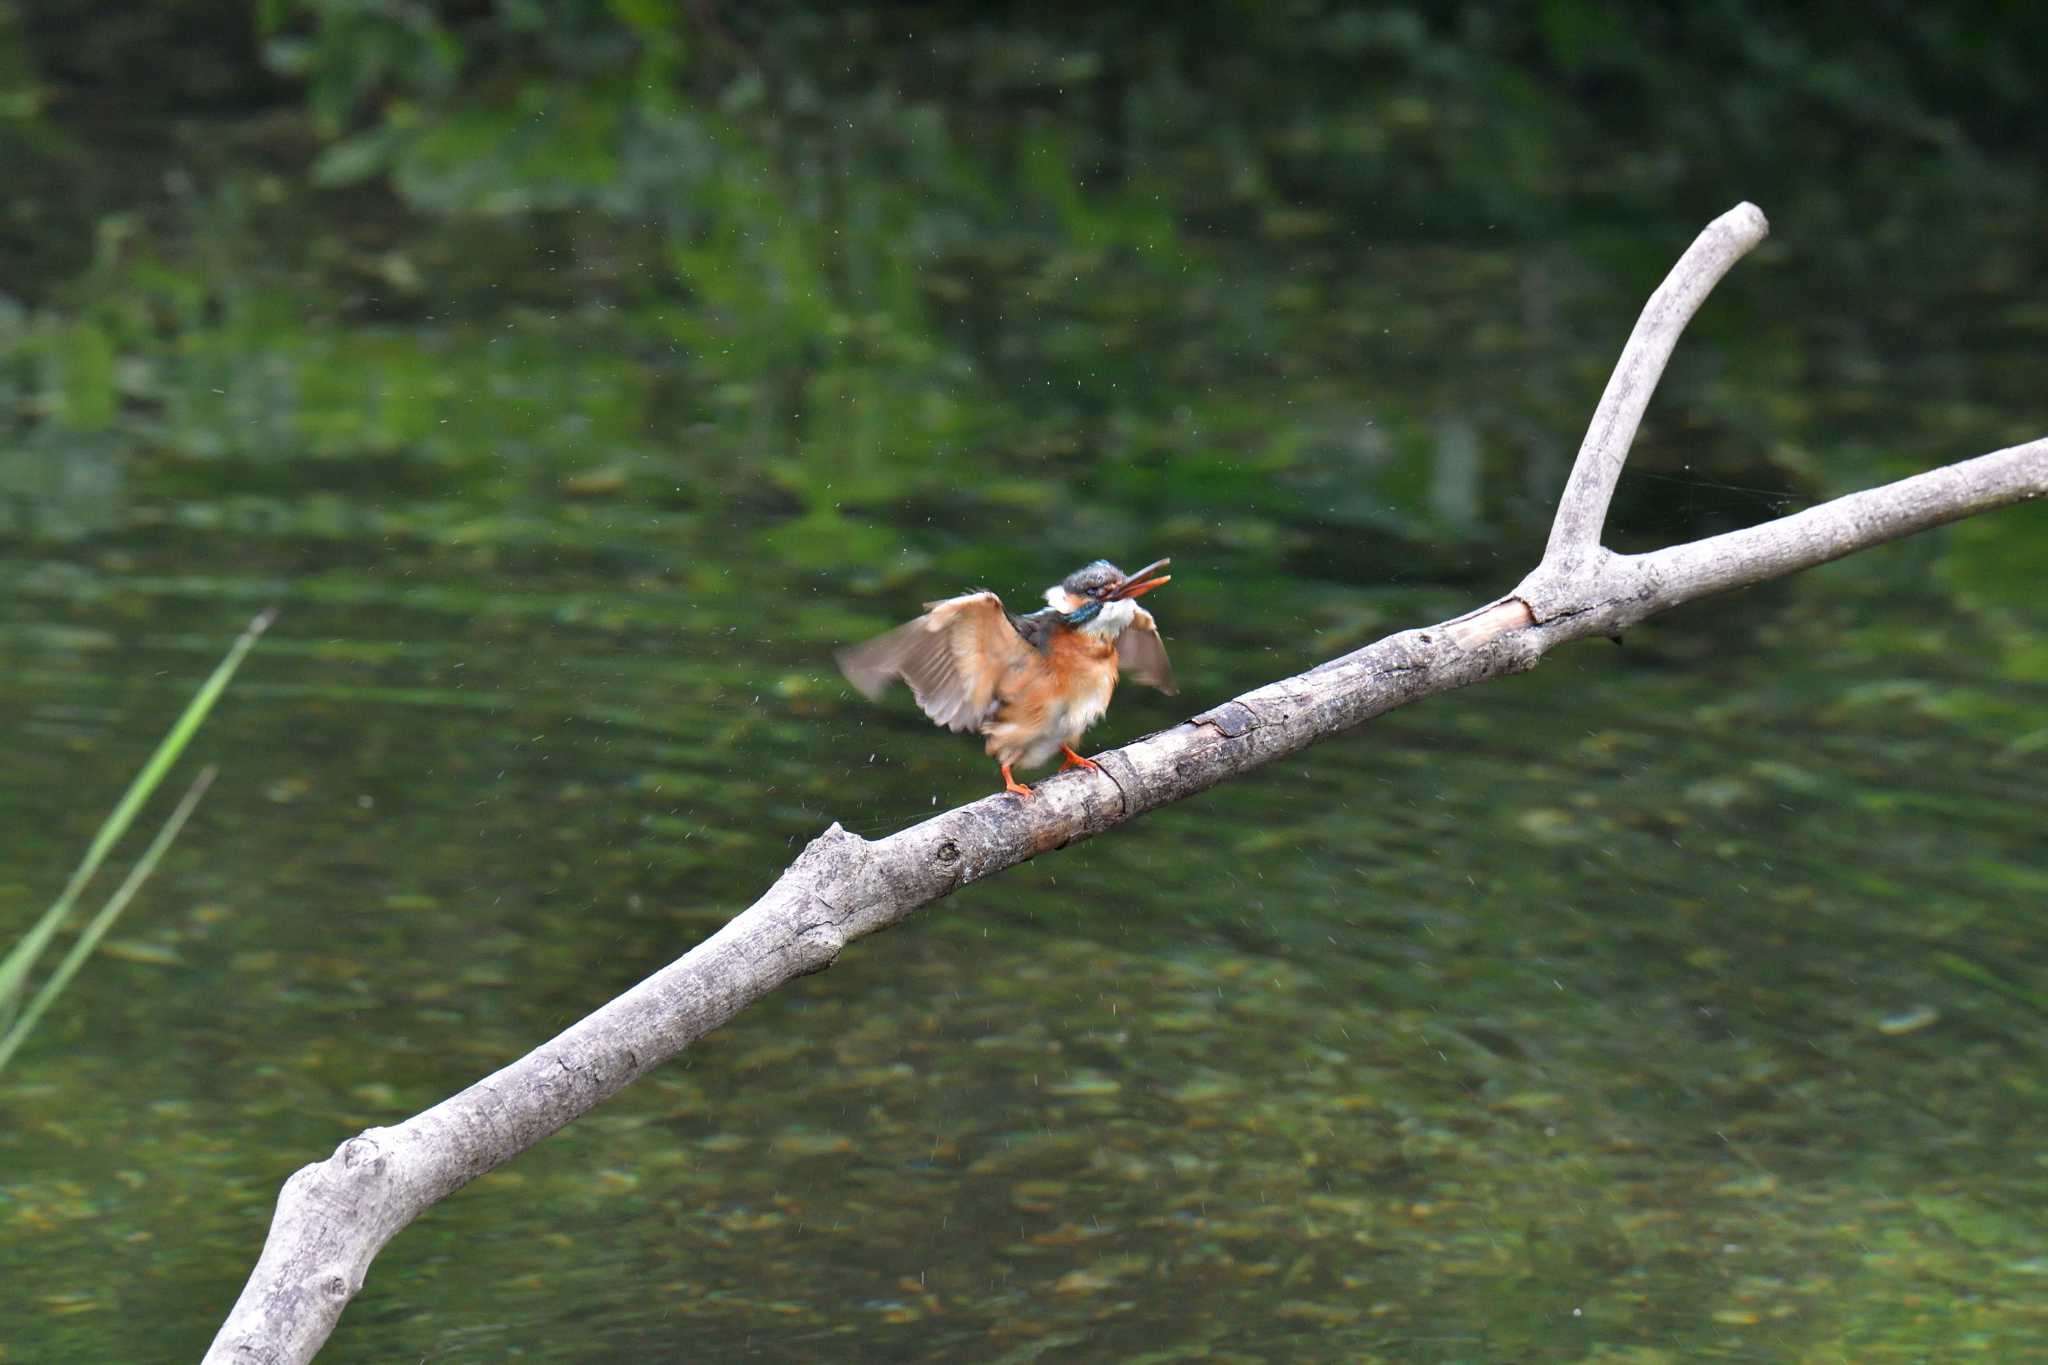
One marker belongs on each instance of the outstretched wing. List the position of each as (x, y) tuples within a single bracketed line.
[(952, 657), (1141, 654)]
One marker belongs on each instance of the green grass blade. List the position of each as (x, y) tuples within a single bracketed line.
[(97, 927), (15, 967)]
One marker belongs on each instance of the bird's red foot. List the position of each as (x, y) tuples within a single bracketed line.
[(1011, 784), (1074, 760)]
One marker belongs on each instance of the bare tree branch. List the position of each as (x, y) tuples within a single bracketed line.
[(1582, 510), (334, 1216)]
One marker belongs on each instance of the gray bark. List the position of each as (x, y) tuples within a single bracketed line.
[(334, 1216), (1582, 510)]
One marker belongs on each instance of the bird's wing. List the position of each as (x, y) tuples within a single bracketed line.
[(952, 657), (1141, 654)]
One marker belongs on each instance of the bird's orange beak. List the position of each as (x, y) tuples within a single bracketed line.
[(1142, 582)]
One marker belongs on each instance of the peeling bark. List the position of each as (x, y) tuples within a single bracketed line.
[(334, 1216)]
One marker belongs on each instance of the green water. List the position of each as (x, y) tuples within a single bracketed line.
[(1679, 1001)]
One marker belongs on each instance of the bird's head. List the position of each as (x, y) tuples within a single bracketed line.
[(1083, 594)]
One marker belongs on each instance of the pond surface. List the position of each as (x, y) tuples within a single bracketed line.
[(1679, 1001)]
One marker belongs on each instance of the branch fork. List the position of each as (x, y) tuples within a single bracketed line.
[(1576, 569)]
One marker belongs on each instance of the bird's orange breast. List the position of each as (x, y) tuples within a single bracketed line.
[(1080, 665), (1053, 697)]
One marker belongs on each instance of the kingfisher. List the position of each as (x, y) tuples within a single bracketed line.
[(1031, 684)]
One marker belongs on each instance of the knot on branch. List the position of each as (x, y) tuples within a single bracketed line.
[(832, 853), (363, 1153), (829, 891)]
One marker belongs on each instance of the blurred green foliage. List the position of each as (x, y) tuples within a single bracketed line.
[(1350, 266)]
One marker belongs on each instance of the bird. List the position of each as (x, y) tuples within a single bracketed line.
[(1031, 684)]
